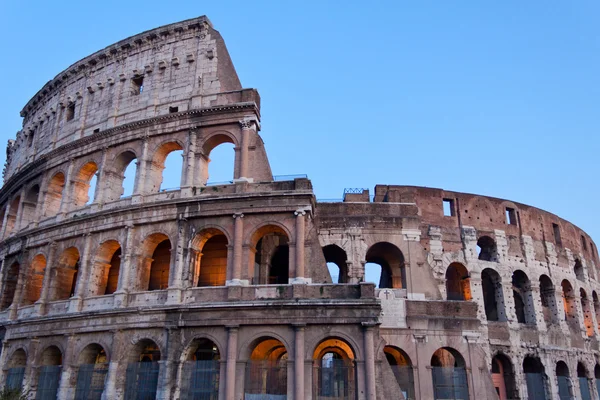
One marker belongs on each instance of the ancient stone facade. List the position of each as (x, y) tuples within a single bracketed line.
[(223, 291)]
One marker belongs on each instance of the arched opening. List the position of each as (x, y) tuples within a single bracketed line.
[(218, 162), (564, 383), (584, 383), (266, 371), (119, 177), (449, 374), (333, 370), (391, 261), (201, 371), (104, 278), (54, 195), (65, 278), (16, 370), (597, 377), (337, 263), (50, 371), (568, 295), (154, 274), (503, 377), (11, 278), (486, 249), (209, 258), (401, 365), (83, 187), (534, 377), (33, 285), (166, 168), (578, 269), (596, 308), (523, 298), (458, 282), (493, 297), (11, 219), (547, 292), (587, 313), (93, 367), (29, 206), (141, 379), (270, 253)]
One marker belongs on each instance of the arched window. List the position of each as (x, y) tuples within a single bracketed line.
[(587, 313), (271, 255), (402, 369), (549, 308), (93, 367), (564, 383), (569, 304), (336, 260), (84, 185), (503, 377), (391, 261), (458, 282), (584, 384), (266, 371), (119, 177), (486, 249), (11, 277), (201, 371), (33, 285), (209, 258), (155, 269), (166, 168), (449, 374), (534, 377), (218, 161), (50, 371), (64, 280), (16, 369), (333, 370), (523, 298), (578, 269), (29, 206), (141, 380), (11, 220), (106, 267), (596, 308), (493, 297), (54, 195)]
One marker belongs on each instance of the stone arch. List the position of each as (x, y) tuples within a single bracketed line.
[(54, 194), (187, 354), (449, 375), (93, 353), (11, 278), (141, 380), (214, 140), (157, 166), (547, 294), (209, 258), (104, 276), (568, 295), (402, 367), (334, 369), (458, 282), (391, 260), (503, 377), (114, 175), (523, 298), (493, 296), (16, 364), (269, 254), (487, 249), (29, 207), (82, 183), (155, 262), (64, 281), (578, 270), (12, 217), (335, 256), (35, 281), (266, 370), (587, 313)]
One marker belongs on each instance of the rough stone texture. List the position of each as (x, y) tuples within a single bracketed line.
[(474, 282)]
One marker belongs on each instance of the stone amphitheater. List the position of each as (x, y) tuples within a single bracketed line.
[(224, 291)]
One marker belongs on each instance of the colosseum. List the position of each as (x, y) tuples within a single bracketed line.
[(224, 291)]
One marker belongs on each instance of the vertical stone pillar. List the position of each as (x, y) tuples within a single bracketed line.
[(299, 362), (110, 390), (31, 370), (175, 285), (238, 238), (83, 279), (369, 362), (537, 307), (101, 189), (5, 221), (299, 248), (125, 270), (39, 208), (68, 376), (248, 127), (139, 188), (21, 282), (43, 301), (189, 164), (232, 336), (65, 200), (19, 216)]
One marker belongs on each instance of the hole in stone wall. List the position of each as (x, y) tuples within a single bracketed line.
[(137, 85), (583, 243), (173, 110), (511, 216), (70, 112), (486, 249), (557, 238), (448, 205)]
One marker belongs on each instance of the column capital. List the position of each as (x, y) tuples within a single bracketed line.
[(248, 123), (299, 213), (238, 215)]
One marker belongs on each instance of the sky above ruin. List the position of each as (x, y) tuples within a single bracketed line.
[(496, 99)]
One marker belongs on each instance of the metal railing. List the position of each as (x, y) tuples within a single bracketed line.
[(405, 378), (291, 177), (335, 380), (14, 378), (265, 380), (450, 383), (141, 381), (200, 380), (171, 189), (90, 381), (219, 183), (355, 190), (48, 381)]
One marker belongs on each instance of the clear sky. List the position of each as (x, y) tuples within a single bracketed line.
[(495, 98)]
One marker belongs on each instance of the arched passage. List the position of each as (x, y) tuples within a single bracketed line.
[(391, 260), (33, 285), (487, 249), (270, 255), (336, 260), (584, 383), (209, 258), (11, 277), (156, 262), (547, 292), (141, 379), (201, 371), (503, 377), (50, 371), (83, 187), (458, 282), (564, 383), (54, 195), (11, 219), (64, 280), (523, 298), (218, 160), (587, 313), (266, 371), (596, 303), (534, 377), (119, 178), (568, 295), (104, 277), (493, 297), (16, 369), (578, 270), (166, 168), (29, 206), (402, 367), (333, 370), (91, 374), (449, 374)]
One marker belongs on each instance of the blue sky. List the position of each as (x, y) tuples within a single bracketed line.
[(495, 98)]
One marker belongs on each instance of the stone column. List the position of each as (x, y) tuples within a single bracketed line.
[(39, 208), (18, 297), (537, 300), (189, 162), (248, 127), (110, 391), (5, 221), (83, 279), (125, 269), (299, 362), (19, 215), (42, 303), (230, 380), (68, 376), (65, 200), (139, 188), (369, 362), (175, 286), (100, 192), (238, 238), (299, 250)]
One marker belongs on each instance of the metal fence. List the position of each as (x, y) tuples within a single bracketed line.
[(564, 391), (405, 378), (200, 380), (584, 389), (14, 378), (265, 380), (335, 380), (48, 381), (141, 381), (536, 388), (450, 383), (90, 381)]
